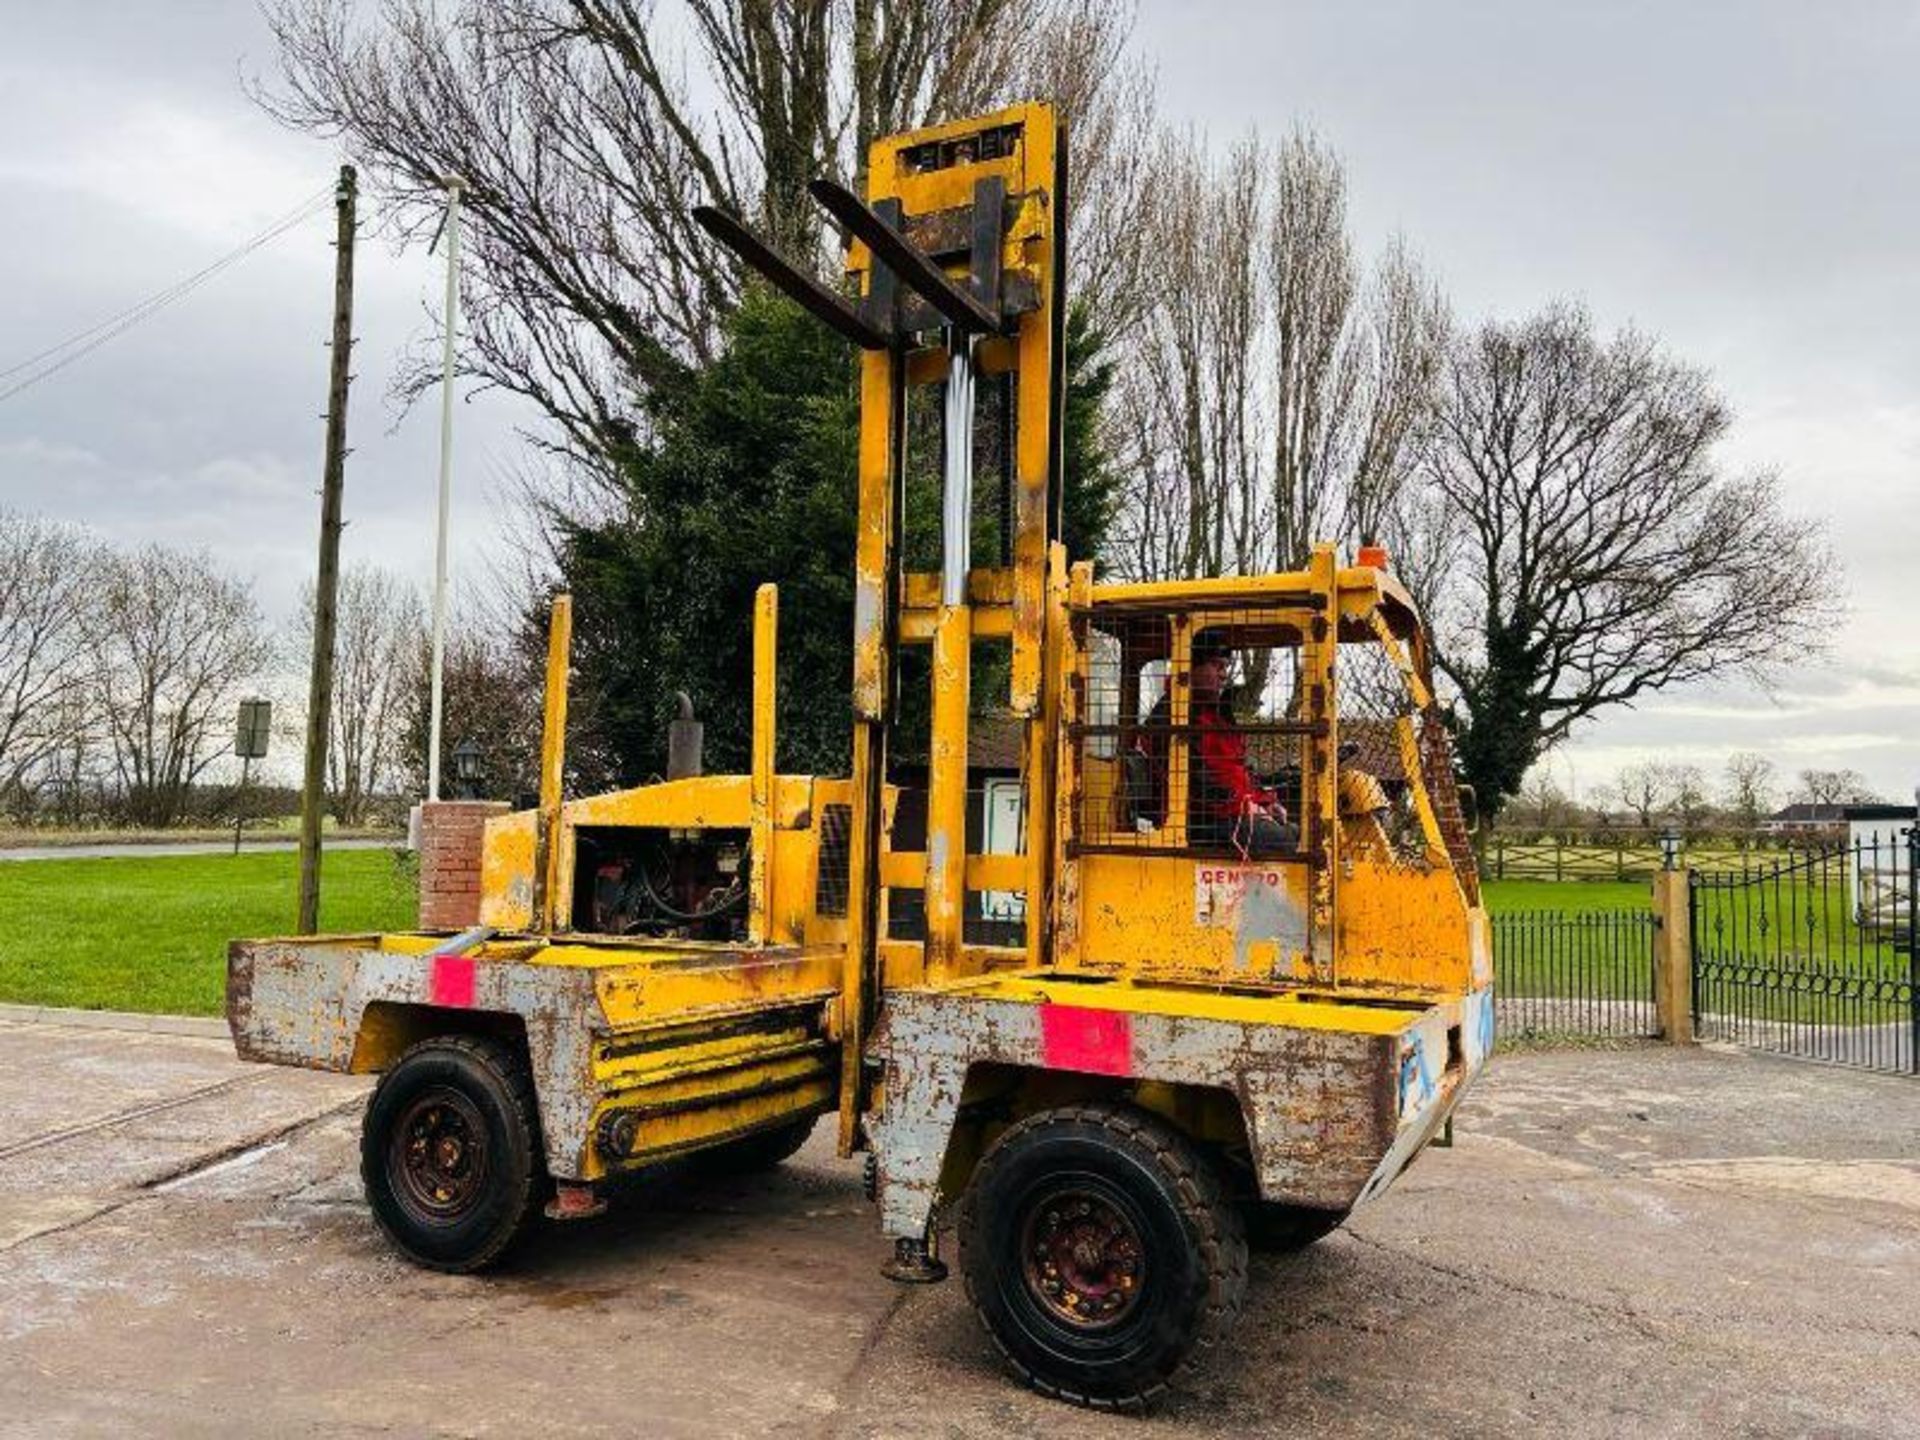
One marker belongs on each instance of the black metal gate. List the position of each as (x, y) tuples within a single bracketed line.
[(1586, 973), (1814, 955)]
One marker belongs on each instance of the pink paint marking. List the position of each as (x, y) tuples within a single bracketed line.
[(451, 982), (1096, 1042)]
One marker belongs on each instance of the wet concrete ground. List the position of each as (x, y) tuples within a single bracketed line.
[(1622, 1242)]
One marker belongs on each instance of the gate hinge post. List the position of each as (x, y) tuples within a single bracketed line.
[(1673, 955)]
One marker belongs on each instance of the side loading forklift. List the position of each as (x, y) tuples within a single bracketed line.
[(1091, 1022)]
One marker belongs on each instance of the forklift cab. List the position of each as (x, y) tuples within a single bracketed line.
[(1180, 759), (1326, 728)]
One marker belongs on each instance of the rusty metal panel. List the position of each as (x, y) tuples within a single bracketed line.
[(296, 1002), (714, 1039), (1320, 1103), (506, 871)]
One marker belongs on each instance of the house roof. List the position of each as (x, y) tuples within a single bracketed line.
[(1370, 744), (1802, 813), (1880, 812), (994, 741)]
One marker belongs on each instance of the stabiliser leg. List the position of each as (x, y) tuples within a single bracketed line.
[(915, 1263)]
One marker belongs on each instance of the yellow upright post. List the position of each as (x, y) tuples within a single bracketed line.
[(1320, 795), (766, 636), (553, 751), (1060, 910), (876, 580), (1039, 751)]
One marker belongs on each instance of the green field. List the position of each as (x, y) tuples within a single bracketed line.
[(1572, 897), (151, 934)]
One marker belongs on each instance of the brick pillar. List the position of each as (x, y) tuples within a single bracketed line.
[(450, 839)]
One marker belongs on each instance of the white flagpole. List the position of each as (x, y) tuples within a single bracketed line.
[(455, 185)]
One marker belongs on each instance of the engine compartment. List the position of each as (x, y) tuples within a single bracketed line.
[(673, 884)]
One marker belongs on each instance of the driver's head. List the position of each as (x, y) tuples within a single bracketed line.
[(1212, 665)]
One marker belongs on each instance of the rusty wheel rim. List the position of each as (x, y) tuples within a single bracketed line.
[(438, 1156), (1082, 1258)]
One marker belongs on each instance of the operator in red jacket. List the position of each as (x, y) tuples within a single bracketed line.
[(1227, 806)]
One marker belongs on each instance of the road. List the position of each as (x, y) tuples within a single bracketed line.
[(1635, 1242)]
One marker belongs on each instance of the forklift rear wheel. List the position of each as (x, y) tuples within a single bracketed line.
[(1100, 1248), (450, 1152), (1277, 1229)]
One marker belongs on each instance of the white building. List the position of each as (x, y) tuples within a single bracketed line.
[(1879, 875)]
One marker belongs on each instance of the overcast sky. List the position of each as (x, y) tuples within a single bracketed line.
[(1737, 178)]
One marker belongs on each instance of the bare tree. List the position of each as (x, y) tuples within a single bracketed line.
[(1543, 807), (1312, 288), (1270, 391), (1833, 787), (1602, 555), (586, 144), (1688, 800), (1195, 503), (1642, 789), (47, 578), (1748, 793), (1081, 61), (176, 641), (492, 698), (1396, 353), (377, 648)]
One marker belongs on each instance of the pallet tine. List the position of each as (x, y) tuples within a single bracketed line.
[(813, 297), (914, 268)]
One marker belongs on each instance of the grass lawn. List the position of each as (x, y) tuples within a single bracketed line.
[(151, 934), (1505, 897)]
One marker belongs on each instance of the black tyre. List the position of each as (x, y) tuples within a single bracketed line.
[(1277, 1229), (450, 1152), (760, 1151), (1100, 1248)]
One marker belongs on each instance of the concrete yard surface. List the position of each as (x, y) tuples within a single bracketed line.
[(1635, 1241)]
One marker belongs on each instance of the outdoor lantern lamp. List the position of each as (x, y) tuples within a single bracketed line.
[(1670, 849), (466, 768)]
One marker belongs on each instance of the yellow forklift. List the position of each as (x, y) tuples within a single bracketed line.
[(1196, 960)]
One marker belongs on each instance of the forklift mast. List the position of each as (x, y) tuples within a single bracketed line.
[(955, 265)]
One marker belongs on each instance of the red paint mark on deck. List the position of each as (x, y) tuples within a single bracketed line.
[(1095, 1042), (451, 982)]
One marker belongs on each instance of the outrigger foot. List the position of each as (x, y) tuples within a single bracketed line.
[(914, 1263), (574, 1202)]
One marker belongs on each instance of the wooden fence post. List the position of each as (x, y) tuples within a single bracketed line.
[(1673, 955)]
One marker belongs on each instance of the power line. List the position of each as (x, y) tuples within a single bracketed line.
[(57, 357), (180, 288)]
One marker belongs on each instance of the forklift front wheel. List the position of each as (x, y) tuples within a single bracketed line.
[(450, 1152), (1100, 1247)]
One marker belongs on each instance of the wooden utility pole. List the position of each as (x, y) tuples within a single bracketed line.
[(326, 591)]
